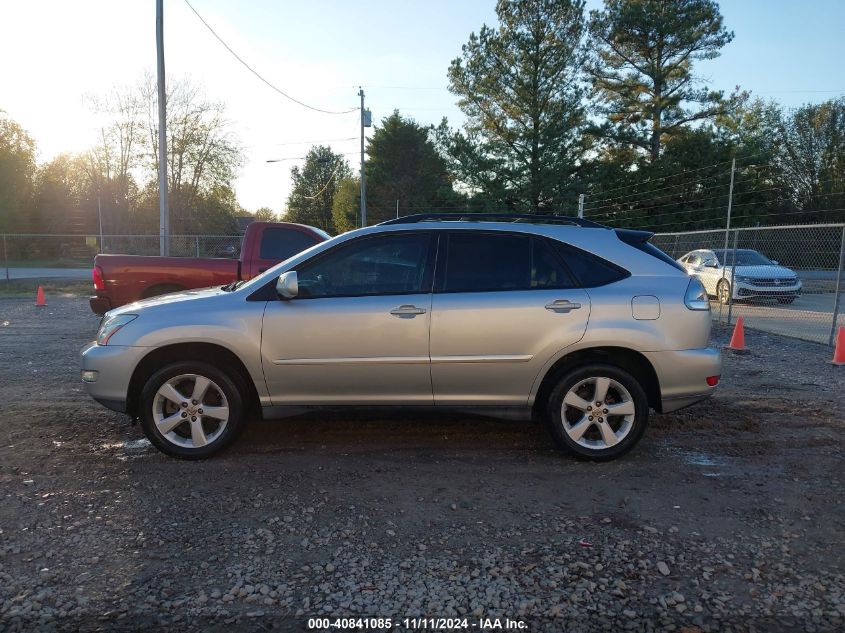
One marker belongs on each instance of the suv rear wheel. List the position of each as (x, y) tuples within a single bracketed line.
[(597, 412), (191, 410)]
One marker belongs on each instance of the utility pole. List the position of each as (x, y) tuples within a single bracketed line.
[(164, 216), (580, 205), (366, 121), (100, 213)]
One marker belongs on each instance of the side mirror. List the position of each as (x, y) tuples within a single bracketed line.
[(287, 286)]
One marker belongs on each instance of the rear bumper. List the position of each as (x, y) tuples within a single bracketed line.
[(100, 305), (683, 375)]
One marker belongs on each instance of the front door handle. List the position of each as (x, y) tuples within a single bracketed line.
[(562, 305), (407, 311)]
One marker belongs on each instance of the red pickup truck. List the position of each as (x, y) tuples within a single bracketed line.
[(121, 279)]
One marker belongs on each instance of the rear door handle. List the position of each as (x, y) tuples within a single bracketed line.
[(562, 305), (407, 311)]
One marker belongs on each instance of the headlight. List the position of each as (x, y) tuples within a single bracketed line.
[(696, 297), (743, 279), (112, 324)]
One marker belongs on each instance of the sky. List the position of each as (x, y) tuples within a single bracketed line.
[(57, 55)]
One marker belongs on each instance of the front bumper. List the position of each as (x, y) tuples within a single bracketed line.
[(114, 366), (683, 374), (745, 290)]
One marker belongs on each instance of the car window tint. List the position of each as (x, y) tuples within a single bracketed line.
[(388, 264), (279, 243), (590, 270), (546, 269), (480, 262)]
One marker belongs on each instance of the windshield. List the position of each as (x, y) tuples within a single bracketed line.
[(744, 257)]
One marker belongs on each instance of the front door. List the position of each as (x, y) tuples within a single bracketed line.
[(357, 333), (504, 305)]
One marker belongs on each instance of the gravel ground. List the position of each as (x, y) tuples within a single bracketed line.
[(728, 516)]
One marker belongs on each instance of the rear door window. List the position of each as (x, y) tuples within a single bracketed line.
[(491, 262)]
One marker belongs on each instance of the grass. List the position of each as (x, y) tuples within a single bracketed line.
[(28, 287)]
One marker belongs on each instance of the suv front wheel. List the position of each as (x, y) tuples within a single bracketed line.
[(597, 412), (191, 410)]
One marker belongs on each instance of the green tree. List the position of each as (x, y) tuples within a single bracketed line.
[(642, 68), (518, 86), (314, 186), (17, 169), (265, 214), (403, 165), (811, 156), (346, 206)]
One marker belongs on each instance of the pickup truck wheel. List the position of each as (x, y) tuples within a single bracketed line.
[(597, 412), (191, 410)]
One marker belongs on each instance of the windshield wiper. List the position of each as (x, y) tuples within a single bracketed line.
[(232, 286)]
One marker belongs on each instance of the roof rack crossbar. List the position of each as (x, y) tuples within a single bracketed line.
[(536, 218)]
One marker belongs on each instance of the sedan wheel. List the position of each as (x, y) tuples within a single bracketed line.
[(723, 291)]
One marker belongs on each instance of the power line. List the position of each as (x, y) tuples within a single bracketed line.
[(255, 72), (325, 140), (328, 182), (279, 160)]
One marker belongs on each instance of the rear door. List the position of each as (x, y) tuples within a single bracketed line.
[(504, 303)]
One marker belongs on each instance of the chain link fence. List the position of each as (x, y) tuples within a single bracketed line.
[(761, 291), (813, 253), (33, 250)]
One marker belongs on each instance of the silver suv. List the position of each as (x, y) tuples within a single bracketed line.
[(583, 326)]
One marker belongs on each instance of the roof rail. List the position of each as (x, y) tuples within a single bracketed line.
[(533, 218)]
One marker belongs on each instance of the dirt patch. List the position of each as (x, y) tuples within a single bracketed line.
[(728, 515)]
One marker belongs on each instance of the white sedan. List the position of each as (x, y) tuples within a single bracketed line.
[(755, 275)]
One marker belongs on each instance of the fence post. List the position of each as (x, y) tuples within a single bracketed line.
[(838, 289), (733, 274), (728, 227), (6, 258), (197, 238)]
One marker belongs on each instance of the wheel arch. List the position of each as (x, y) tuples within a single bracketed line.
[(627, 359), (210, 353)]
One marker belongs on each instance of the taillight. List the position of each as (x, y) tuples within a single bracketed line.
[(712, 380), (99, 282)]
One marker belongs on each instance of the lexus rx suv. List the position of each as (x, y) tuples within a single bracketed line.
[(572, 322)]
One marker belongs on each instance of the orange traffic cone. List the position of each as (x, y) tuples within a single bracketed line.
[(839, 350), (39, 297), (737, 344)]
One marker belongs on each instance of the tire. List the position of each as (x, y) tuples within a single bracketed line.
[(723, 292), (178, 429), (566, 420), (786, 299)]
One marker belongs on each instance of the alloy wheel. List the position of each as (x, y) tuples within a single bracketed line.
[(190, 411), (598, 413)]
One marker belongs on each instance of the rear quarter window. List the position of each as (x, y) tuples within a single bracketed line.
[(590, 270)]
